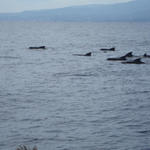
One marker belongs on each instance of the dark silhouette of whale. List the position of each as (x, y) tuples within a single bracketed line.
[(146, 56), (108, 49), (122, 57), (87, 54), (136, 61), (39, 47), (23, 147), (129, 54)]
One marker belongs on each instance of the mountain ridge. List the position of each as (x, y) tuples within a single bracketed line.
[(136, 10)]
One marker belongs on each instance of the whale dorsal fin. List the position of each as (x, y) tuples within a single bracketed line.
[(88, 54), (129, 54), (137, 60)]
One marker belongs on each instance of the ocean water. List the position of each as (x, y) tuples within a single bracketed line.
[(58, 101)]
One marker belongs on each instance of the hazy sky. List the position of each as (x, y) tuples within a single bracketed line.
[(21, 5)]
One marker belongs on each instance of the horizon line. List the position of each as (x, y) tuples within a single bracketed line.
[(28, 10)]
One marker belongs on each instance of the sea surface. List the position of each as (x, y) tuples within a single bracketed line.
[(57, 101)]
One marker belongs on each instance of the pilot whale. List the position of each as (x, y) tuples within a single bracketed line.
[(39, 47), (136, 61), (146, 56), (87, 54), (122, 57), (108, 49)]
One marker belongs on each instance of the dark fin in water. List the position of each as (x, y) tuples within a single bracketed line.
[(117, 58), (129, 54), (146, 56), (136, 61), (87, 54), (40, 47), (122, 57), (108, 49)]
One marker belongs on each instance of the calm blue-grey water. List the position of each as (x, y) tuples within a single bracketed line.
[(58, 101)]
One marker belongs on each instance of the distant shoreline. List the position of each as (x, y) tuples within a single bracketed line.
[(133, 11)]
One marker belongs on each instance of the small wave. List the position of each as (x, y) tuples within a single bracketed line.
[(2, 144), (75, 74), (32, 140), (83, 75), (144, 132), (54, 131), (8, 57), (32, 120), (34, 127), (138, 92), (144, 43)]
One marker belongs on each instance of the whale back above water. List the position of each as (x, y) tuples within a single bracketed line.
[(87, 54), (117, 58), (136, 61), (108, 49), (146, 56), (124, 57), (37, 47), (129, 54)]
